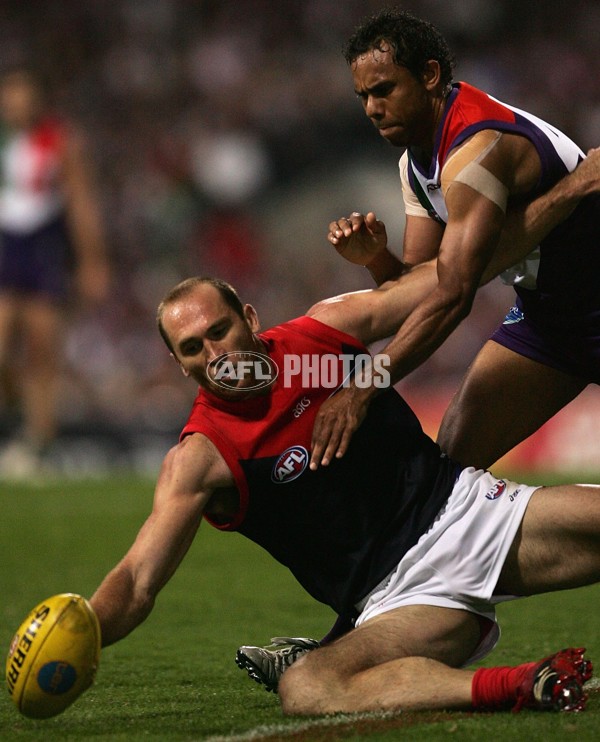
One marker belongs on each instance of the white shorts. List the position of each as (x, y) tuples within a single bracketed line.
[(457, 562)]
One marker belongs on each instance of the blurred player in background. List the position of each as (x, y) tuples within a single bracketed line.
[(51, 243)]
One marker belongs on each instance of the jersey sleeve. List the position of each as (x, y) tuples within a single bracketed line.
[(412, 207)]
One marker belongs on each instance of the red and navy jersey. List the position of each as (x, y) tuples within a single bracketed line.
[(561, 294), (343, 528)]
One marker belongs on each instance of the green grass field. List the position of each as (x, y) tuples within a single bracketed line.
[(175, 678)]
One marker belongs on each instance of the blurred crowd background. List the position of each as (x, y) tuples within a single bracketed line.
[(225, 136)]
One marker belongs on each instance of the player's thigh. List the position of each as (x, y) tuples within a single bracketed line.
[(445, 634), (503, 398), (9, 315), (43, 324), (558, 543)]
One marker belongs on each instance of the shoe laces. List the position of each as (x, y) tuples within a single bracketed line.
[(288, 648)]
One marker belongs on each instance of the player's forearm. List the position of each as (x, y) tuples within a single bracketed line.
[(120, 607), (423, 333), (421, 325), (385, 266), (418, 338)]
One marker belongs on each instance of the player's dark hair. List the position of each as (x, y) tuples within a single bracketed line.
[(413, 42), (228, 293)]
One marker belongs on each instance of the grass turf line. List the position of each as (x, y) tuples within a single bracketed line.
[(175, 679)]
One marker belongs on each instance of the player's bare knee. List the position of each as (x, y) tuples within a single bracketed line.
[(305, 689), (296, 691)]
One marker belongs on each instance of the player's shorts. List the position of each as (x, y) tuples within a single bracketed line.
[(457, 562), (574, 350), (36, 263)]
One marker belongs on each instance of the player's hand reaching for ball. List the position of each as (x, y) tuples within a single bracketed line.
[(358, 238)]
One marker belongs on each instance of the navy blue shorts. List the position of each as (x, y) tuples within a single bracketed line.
[(574, 351), (37, 263)]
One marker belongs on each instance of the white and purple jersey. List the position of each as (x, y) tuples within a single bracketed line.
[(556, 318), (31, 190), (35, 249)]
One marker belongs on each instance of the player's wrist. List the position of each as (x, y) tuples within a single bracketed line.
[(367, 385), (384, 266)]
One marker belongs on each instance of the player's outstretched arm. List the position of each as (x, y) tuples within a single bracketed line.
[(127, 594)]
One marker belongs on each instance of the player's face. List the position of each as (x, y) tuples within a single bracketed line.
[(203, 327), (399, 105), (19, 101)]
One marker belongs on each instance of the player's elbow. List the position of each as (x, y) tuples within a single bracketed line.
[(456, 301), (464, 306)]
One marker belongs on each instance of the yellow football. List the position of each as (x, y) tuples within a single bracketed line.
[(54, 656)]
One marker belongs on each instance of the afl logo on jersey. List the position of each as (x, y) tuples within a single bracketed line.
[(497, 490), (290, 465), (514, 315)]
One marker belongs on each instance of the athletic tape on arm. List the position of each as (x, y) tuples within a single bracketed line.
[(463, 166)]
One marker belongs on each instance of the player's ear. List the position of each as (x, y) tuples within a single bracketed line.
[(184, 371), (251, 318), (432, 74)]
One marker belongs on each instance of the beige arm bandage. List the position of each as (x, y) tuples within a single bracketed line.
[(464, 166)]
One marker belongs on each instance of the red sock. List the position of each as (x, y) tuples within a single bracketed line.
[(496, 687)]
